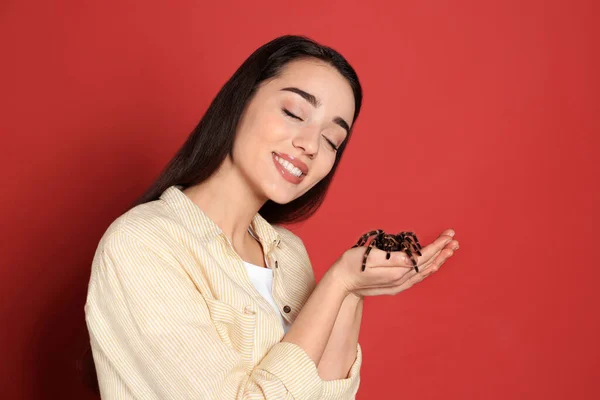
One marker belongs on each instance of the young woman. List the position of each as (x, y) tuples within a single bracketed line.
[(197, 293)]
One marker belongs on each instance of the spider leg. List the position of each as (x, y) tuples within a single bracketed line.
[(415, 248), (389, 247), (360, 242), (363, 239), (378, 240), (418, 244), (412, 258), (407, 244), (415, 240), (364, 263), (383, 244)]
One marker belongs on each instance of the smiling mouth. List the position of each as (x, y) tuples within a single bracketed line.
[(289, 166), (287, 170)]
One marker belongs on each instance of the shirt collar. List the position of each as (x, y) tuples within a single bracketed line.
[(196, 220)]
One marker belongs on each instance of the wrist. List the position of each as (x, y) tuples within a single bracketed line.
[(354, 298), (335, 280)]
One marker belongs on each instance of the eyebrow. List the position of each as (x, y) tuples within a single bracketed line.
[(316, 103)]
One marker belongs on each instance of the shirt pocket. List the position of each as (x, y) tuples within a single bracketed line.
[(236, 328)]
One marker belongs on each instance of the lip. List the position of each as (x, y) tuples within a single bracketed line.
[(285, 174), (294, 161)]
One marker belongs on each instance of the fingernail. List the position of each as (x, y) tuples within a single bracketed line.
[(451, 233)]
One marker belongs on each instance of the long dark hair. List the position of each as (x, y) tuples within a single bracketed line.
[(212, 140)]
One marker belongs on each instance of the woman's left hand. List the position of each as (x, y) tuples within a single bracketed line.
[(434, 256)]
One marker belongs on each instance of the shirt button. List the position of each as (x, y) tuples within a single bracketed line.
[(276, 266), (287, 309)]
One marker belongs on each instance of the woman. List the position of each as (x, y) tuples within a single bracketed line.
[(195, 293)]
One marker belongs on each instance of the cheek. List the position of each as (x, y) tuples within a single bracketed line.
[(259, 125), (263, 138), (271, 127), (321, 171), (254, 137)]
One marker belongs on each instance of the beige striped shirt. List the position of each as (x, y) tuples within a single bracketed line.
[(172, 313)]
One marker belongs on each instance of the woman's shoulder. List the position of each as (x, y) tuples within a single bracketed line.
[(150, 222)]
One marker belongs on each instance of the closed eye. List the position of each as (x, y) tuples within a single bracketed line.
[(289, 114), (331, 143)]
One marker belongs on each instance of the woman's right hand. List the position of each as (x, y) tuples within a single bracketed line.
[(390, 277)]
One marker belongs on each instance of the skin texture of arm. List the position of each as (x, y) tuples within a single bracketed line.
[(340, 352), (314, 324)]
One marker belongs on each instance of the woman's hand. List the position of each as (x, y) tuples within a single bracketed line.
[(390, 277)]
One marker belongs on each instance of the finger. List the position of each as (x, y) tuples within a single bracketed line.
[(378, 258), (389, 277), (433, 249), (448, 232), (385, 277), (452, 245), (434, 265), (411, 278)]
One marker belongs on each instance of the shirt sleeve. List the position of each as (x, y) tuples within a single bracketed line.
[(152, 336), (345, 389)]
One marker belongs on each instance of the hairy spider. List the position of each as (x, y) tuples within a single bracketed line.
[(403, 241)]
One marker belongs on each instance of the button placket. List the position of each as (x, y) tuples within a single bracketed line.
[(271, 261), (243, 274), (267, 307), (286, 309)]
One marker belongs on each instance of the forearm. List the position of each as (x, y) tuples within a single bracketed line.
[(340, 352), (314, 324)]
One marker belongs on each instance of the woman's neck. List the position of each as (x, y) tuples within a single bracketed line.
[(227, 199)]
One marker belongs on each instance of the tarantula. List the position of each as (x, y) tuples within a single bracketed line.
[(403, 241)]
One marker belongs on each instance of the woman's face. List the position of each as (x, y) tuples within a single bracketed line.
[(286, 139)]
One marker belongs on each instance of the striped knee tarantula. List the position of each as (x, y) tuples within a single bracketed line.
[(403, 241)]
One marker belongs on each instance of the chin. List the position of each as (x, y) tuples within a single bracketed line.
[(281, 199), (282, 192)]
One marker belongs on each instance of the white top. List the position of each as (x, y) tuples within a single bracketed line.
[(262, 279)]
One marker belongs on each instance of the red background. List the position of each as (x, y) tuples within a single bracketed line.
[(480, 116)]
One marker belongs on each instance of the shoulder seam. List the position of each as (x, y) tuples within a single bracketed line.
[(123, 232)]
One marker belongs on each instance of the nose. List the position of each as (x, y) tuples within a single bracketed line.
[(308, 141)]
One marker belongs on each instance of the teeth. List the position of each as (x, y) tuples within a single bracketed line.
[(289, 166)]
